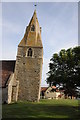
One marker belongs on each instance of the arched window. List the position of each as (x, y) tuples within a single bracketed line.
[(29, 52), (32, 28)]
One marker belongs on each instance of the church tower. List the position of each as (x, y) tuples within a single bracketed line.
[(29, 60)]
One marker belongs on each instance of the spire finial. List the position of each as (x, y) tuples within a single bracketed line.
[(35, 5)]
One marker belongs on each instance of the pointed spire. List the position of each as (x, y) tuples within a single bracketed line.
[(33, 17), (32, 35), (35, 11)]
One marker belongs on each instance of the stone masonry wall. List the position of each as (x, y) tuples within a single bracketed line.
[(28, 72)]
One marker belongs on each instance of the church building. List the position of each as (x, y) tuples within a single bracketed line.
[(23, 82)]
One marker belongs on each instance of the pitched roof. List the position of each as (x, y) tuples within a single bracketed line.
[(54, 87), (6, 68), (44, 89)]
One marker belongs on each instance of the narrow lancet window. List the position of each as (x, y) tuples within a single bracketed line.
[(32, 28), (29, 52)]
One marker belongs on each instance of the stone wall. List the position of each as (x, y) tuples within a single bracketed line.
[(50, 94), (28, 72), (9, 84), (53, 94), (12, 89)]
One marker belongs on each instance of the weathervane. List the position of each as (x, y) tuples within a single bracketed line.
[(35, 5)]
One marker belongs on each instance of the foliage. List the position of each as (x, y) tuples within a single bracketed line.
[(64, 69)]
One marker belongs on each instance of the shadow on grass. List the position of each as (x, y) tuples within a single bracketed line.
[(79, 105), (40, 111), (40, 119)]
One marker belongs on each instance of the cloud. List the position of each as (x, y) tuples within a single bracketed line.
[(58, 22), (0, 30), (10, 54), (60, 30), (11, 27), (46, 62)]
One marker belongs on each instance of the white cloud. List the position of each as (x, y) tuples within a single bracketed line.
[(59, 28), (11, 27), (45, 70), (1, 30)]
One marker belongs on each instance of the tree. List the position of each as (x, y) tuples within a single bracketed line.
[(64, 68)]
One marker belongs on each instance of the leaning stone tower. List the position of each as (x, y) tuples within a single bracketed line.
[(29, 60)]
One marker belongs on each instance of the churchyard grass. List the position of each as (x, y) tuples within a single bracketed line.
[(66, 108)]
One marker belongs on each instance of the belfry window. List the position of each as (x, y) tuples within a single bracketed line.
[(29, 52), (32, 28)]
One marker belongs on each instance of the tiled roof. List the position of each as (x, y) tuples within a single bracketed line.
[(44, 89), (53, 87), (6, 70)]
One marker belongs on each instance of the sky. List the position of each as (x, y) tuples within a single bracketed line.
[(39, 0), (59, 22), (79, 23)]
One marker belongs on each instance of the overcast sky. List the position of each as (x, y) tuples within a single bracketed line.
[(59, 22)]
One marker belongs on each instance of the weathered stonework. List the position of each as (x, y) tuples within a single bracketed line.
[(29, 60), (10, 92)]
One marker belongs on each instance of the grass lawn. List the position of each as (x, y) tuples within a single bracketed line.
[(44, 109)]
